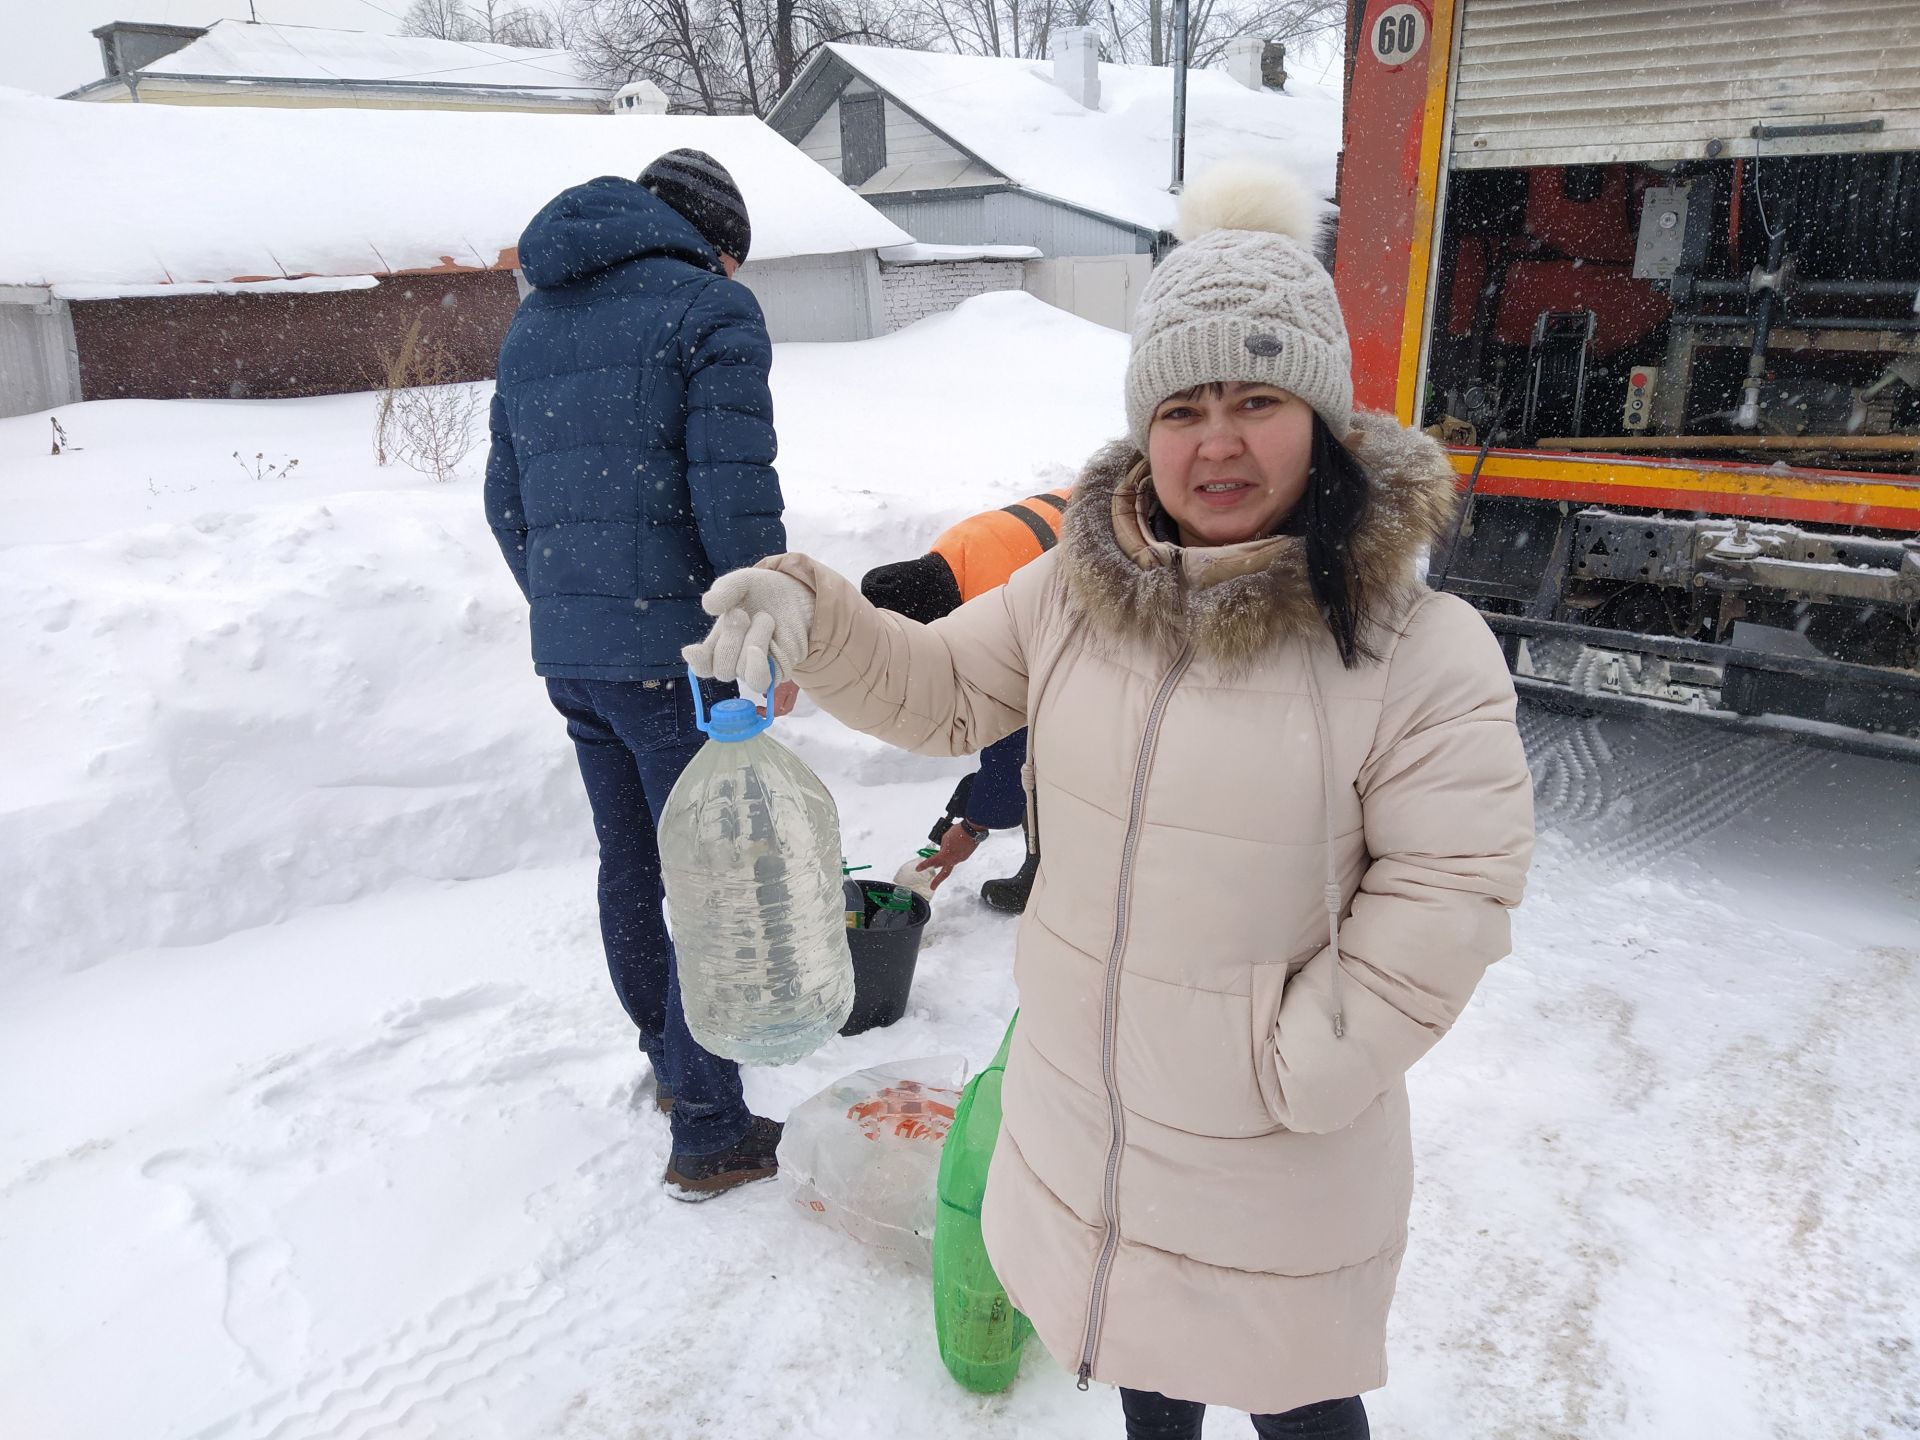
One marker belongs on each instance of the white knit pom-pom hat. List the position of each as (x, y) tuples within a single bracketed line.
[(1242, 298)]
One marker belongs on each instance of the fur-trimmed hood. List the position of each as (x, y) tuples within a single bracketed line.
[(1234, 602)]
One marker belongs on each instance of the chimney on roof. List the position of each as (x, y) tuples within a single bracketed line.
[(126, 45), (1257, 64), (642, 97), (1076, 64)]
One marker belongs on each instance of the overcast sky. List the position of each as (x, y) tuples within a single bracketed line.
[(45, 47)]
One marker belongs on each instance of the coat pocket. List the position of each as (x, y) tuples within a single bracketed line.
[(1179, 1062), (1265, 992)]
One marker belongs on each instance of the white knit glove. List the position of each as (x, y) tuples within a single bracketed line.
[(760, 614)]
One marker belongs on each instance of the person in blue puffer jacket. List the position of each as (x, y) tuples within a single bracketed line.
[(632, 464)]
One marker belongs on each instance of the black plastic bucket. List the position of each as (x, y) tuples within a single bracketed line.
[(883, 962)]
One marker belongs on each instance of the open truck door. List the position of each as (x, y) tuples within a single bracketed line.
[(1654, 278)]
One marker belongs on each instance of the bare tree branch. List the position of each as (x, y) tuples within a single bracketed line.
[(439, 20), (492, 21), (732, 56)]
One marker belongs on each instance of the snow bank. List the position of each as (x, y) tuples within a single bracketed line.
[(152, 194), (263, 708), (239, 687)]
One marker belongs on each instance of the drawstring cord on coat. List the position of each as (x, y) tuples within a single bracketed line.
[(1332, 892), (1029, 773)]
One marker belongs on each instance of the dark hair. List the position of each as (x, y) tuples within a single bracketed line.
[(1330, 515)]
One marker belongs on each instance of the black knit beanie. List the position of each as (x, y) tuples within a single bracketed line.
[(699, 187)]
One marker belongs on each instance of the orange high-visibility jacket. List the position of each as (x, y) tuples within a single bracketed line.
[(969, 559), (984, 550)]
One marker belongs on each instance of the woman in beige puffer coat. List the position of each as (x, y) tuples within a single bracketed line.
[(1286, 814)]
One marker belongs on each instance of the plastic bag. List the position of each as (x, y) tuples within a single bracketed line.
[(864, 1154)]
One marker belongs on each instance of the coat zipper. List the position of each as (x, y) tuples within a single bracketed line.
[(1110, 1017), (1334, 893)]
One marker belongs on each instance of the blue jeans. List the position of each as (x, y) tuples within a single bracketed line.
[(633, 740), (1152, 1416)]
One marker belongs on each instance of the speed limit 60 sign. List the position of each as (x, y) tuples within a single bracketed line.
[(1397, 33)]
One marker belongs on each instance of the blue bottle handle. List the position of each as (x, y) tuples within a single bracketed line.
[(705, 727)]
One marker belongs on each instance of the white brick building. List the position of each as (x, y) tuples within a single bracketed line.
[(921, 280)]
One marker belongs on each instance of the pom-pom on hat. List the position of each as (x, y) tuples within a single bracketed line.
[(1242, 298)]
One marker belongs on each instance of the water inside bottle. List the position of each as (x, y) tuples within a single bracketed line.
[(750, 856)]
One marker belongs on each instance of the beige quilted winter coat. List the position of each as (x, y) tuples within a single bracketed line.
[(1203, 1181)]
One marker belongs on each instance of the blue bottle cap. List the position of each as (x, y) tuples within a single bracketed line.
[(732, 721)]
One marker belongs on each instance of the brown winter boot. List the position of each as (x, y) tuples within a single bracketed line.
[(752, 1157)]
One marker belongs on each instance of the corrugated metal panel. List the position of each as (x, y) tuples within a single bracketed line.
[(818, 297), (1009, 218), (1014, 218), (1567, 82), (1102, 288), (939, 219), (39, 368)]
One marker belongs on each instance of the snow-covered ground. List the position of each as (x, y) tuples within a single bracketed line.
[(317, 1114)]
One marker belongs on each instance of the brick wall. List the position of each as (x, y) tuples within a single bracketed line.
[(251, 346), (913, 292)]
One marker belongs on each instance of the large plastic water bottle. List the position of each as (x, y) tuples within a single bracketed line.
[(750, 856)]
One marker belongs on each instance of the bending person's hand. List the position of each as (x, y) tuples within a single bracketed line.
[(956, 848), (760, 615)]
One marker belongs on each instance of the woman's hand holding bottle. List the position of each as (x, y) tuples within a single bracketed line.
[(760, 616)]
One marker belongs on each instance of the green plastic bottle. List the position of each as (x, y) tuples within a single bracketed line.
[(980, 1332)]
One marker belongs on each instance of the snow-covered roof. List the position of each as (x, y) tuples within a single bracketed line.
[(241, 50), (1115, 160), (151, 194), (919, 254)]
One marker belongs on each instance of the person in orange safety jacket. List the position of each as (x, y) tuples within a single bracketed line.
[(970, 559)]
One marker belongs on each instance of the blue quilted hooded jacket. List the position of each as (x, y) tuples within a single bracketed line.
[(632, 427)]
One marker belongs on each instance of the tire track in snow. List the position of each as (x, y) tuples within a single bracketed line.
[(1568, 757), (1660, 786), (1750, 780), (455, 1353), (314, 1116), (1579, 775)]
